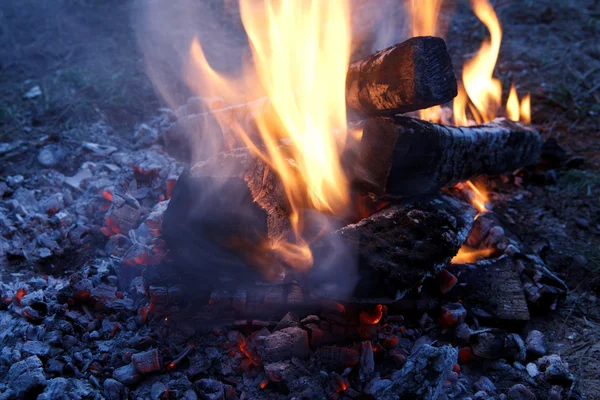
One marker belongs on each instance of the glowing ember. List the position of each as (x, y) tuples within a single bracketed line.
[(19, 295), (301, 52), (264, 384), (371, 317), (468, 255)]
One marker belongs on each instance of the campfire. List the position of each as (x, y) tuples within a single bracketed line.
[(321, 227)]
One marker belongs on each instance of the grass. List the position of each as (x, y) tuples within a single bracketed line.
[(578, 182)]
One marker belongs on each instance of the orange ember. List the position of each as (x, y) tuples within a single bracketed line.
[(264, 384), (371, 317), (19, 295)]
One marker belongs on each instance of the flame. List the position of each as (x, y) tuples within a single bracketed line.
[(301, 52), (424, 18), (484, 91), (477, 195), (467, 254), (480, 92)]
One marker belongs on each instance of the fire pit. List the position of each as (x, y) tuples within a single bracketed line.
[(320, 225)]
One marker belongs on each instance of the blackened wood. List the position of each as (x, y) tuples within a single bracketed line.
[(399, 246), (407, 156), (492, 289), (409, 76), (542, 287)]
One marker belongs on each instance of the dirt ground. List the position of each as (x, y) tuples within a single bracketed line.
[(84, 57)]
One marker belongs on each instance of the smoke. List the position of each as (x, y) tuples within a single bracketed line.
[(166, 31)]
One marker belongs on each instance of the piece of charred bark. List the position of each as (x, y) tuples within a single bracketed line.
[(407, 156), (399, 246), (492, 289), (409, 76)]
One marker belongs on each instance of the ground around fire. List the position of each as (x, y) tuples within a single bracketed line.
[(71, 72)]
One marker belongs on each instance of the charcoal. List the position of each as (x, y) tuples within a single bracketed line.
[(555, 370), (198, 364), (56, 389), (210, 389), (55, 366), (127, 374), (452, 314), (189, 395), (26, 376), (158, 390), (484, 384), (35, 348), (422, 377), (520, 392), (113, 390), (337, 357), (535, 344), (367, 362), (289, 320), (286, 343), (493, 344), (147, 362)]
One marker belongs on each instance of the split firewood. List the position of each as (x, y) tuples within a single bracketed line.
[(406, 156), (409, 76)]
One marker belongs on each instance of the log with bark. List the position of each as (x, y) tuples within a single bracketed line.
[(407, 156), (409, 76)]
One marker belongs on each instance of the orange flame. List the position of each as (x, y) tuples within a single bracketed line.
[(424, 18), (477, 195), (468, 255), (480, 92), (301, 52)]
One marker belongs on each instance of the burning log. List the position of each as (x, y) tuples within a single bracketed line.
[(406, 156), (399, 246), (409, 76)]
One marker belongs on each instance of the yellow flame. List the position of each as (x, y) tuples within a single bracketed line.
[(526, 109), (512, 104), (460, 107), (477, 195), (424, 21), (468, 255), (485, 92), (301, 52)]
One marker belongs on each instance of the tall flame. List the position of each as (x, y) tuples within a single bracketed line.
[(424, 22), (301, 52)]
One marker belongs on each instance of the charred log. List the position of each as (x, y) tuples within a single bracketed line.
[(492, 289), (398, 247), (406, 156), (409, 76)]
